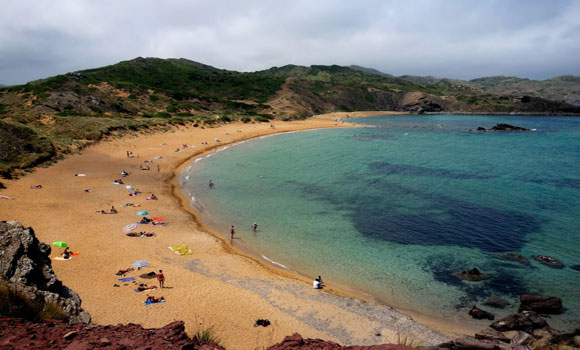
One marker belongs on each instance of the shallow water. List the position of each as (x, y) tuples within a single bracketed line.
[(395, 209)]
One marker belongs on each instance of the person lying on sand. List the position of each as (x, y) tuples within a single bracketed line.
[(124, 173), (88, 190), (35, 187), (152, 299), (143, 287), (118, 182), (144, 167), (141, 234), (123, 272), (145, 220)]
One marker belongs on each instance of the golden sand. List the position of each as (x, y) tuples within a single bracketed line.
[(216, 286)]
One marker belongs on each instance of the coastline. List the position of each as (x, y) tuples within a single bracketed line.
[(218, 284)]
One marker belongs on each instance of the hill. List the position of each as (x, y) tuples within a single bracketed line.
[(66, 112)]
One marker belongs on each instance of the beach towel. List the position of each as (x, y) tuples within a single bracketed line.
[(80, 175), (147, 302), (60, 258), (126, 279), (5, 197), (180, 249)]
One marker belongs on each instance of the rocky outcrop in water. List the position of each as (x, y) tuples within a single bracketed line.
[(20, 334), (541, 304), (548, 261), (296, 342), (480, 314), (26, 268), (503, 127)]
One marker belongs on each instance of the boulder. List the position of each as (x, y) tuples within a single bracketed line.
[(296, 341), (471, 275), (549, 261), (480, 314), (26, 267), (491, 334), (575, 267), (476, 344), (526, 321), (540, 304)]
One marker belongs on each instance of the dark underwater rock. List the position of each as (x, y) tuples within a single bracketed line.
[(496, 302), (514, 257), (471, 275), (549, 261)]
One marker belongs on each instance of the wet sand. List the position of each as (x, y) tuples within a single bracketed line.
[(217, 286)]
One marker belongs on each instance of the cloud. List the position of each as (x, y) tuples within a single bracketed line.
[(462, 39)]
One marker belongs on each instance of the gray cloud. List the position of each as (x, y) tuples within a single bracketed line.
[(460, 39)]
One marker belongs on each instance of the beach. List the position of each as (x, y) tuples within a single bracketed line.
[(216, 286)]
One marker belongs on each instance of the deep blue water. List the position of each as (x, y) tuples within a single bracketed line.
[(396, 208)]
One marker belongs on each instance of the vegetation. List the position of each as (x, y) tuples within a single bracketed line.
[(44, 119), (16, 304)]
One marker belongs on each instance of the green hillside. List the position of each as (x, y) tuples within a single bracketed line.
[(49, 117)]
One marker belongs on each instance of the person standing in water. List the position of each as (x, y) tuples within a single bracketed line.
[(210, 183), (232, 231), (255, 226)]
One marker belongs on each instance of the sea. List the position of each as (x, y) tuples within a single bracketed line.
[(394, 209)]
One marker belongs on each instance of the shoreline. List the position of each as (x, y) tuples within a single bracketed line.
[(203, 283)]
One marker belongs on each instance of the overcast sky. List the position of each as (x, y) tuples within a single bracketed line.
[(459, 39)]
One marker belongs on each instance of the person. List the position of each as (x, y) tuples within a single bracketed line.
[(319, 279), (113, 210), (152, 299), (88, 190), (153, 196), (124, 173), (232, 231), (161, 278), (36, 187), (67, 253), (210, 183), (145, 220), (255, 226), (143, 287), (123, 272), (158, 168), (316, 284)]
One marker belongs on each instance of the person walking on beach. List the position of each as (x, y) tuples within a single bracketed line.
[(161, 278), (158, 168), (232, 231), (255, 226)]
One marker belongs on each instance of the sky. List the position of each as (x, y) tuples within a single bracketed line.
[(462, 39)]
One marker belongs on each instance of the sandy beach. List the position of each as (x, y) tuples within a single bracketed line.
[(217, 286)]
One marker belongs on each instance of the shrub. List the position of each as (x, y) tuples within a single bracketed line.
[(162, 115), (262, 119), (154, 98), (246, 119)]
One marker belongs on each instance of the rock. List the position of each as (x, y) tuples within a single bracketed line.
[(82, 336), (514, 257), (507, 127), (575, 267), (549, 261), (496, 302), (492, 334), (70, 335), (479, 128), (540, 304), (475, 344), (480, 314), (526, 321), (26, 266), (471, 275), (296, 341)]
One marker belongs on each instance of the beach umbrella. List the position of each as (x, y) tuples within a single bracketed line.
[(130, 188), (140, 263), (60, 244), (158, 219), (129, 227), (142, 212)]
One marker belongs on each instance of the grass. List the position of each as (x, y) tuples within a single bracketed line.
[(14, 303), (205, 333), (408, 340)]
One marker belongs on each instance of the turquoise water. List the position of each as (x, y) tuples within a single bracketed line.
[(394, 209)]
